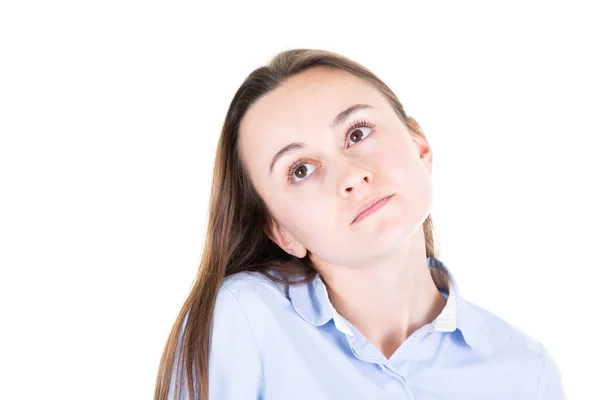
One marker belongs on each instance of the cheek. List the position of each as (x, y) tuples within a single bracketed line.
[(308, 216), (298, 214), (309, 221), (392, 162), (405, 172)]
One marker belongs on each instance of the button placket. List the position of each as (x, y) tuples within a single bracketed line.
[(390, 370), (358, 345), (396, 386)]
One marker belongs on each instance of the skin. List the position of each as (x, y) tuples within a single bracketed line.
[(375, 270)]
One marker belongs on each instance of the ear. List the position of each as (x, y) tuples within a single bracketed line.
[(421, 144), (280, 237)]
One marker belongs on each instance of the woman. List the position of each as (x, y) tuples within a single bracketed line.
[(319, 277)]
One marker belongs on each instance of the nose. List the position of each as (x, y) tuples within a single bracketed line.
[(355, 179)]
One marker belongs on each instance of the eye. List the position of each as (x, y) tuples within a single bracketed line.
[(358, 134), (299, 170)]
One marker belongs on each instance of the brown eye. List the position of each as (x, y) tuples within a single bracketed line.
[(358, 134), (300, 172)]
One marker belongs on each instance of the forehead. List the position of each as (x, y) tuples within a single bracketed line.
[(302, 106), (313, 93)]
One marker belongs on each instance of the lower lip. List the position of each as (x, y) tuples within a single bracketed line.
[(371, 210)]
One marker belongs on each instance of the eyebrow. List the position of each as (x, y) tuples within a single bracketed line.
[(339, 119)]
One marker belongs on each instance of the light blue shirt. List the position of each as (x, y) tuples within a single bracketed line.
[(276, 342)]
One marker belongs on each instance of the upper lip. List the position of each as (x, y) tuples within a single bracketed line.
[(369, 204)]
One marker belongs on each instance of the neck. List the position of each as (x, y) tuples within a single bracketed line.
[(387, 301)]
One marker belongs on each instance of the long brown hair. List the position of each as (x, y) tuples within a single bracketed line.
[(236, 240)]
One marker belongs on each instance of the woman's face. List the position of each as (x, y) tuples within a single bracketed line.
[(315, 189)]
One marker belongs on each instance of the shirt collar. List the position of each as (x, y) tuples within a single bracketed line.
[(461, 314), (311, 302)]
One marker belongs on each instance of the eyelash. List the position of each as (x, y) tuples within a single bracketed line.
[(353, 126)]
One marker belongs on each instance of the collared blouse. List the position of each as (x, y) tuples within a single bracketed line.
[(271, 341)]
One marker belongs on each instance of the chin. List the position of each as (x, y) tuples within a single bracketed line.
[(395, 229)]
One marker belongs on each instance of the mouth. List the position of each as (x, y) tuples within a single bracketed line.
[(371, 207)]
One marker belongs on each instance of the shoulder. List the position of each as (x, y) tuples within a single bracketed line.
[(504, 332), (250, 294), (251, 287), (246, 280), (527, 354)]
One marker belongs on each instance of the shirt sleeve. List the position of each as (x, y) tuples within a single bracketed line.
[(234, 365), (550, 385)]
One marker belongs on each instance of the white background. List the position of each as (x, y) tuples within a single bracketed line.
[(110, 113)]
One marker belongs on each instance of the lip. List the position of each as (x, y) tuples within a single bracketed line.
[(368, 205)]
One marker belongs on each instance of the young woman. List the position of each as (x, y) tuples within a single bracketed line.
[(319, 277)]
